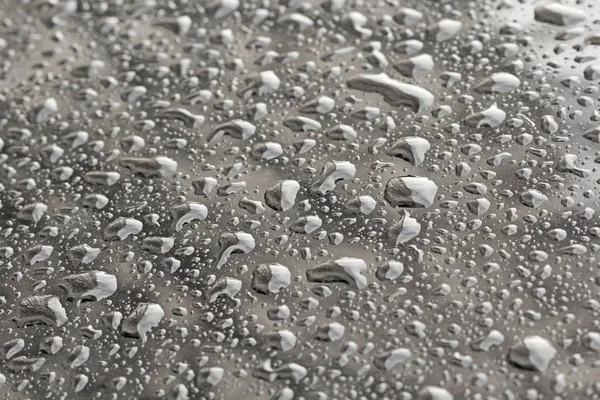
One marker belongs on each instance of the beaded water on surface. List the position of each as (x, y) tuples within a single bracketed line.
[(299, 200)]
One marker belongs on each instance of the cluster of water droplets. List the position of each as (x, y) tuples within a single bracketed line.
[(287, 199)]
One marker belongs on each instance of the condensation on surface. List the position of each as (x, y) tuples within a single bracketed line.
[(312, 200)]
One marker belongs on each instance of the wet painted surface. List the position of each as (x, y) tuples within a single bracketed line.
[(299, 200)]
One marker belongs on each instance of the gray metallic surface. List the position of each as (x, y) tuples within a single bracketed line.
[(161, 82)]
